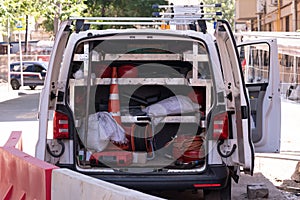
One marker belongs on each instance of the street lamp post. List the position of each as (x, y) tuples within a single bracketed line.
[(8, 52), (19, 27)]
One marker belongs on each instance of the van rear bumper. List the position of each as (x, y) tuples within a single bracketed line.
[(214, 177)]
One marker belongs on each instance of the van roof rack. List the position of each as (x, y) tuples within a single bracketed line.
[(191, 15)]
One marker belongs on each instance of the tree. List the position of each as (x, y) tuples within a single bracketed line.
[(6, 10), (227, 9), (62, 9), (55, 11), (121, 8), (15, 11)]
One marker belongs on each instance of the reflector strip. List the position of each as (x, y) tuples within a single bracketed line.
[(63, 121), (115, 114), (207, 185), (63, 130), (114, 96), (114, 81)]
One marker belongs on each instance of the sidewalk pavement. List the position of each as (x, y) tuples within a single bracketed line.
[(7, 93)]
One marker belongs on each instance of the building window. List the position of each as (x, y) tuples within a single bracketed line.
[(298, 21), (287, 23)]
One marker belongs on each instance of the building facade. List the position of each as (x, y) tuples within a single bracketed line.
[(280, 19), (268, 15)]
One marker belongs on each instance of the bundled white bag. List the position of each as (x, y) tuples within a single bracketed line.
[(101, 129), (171, 106)]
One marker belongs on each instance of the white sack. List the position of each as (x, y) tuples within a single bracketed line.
[(171, 106), (101, 129)]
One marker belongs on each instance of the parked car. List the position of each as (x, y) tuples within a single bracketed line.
[(154, 109), (34, 73)]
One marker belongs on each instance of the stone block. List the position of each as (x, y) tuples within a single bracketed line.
[(255, 191), (296, 175)]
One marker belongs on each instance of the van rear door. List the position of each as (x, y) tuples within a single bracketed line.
[(259, 59), (49, 92), (251, 76), (237, 102)]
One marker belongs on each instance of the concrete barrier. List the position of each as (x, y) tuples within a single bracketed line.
[(23, 176), (14, 140), (67, 184)]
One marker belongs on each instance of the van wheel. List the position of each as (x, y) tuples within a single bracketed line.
[(15, 84), (32, 87), (222, 194)]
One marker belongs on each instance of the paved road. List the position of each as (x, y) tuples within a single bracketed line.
[(23, 108), (21, 114)]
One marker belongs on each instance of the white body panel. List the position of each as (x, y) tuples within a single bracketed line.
[(271, 103)]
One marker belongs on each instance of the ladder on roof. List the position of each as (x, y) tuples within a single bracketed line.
[(192, 15)]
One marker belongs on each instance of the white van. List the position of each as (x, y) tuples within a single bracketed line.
[(154, 109)]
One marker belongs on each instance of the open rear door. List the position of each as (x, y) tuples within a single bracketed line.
[(260, 66), (237, 102), (47, 101)]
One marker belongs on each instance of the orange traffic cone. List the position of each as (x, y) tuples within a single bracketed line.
[(114, 102)]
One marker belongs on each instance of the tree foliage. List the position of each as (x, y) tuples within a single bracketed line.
[(16, 10), (121, 8), (227, 9), (54, 10), (59, 10)]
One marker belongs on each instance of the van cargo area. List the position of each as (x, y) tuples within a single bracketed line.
[(145, 107)]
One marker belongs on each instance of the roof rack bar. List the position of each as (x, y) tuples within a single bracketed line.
[(125, 23), (217, 5), (116, 18), (183, 21), (186, 14), (136, 19), (186, 18), (192, 15), (189, 20)]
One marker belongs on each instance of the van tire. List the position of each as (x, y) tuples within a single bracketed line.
[(15, 84), (222, 194)]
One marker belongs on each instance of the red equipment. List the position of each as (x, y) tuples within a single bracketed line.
[(188, 148), (127, 71)]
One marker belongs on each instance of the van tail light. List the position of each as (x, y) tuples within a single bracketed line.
[(207, 185), (221, 131), (60, 126)]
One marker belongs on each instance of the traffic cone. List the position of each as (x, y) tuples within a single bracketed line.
[(114, 102)]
